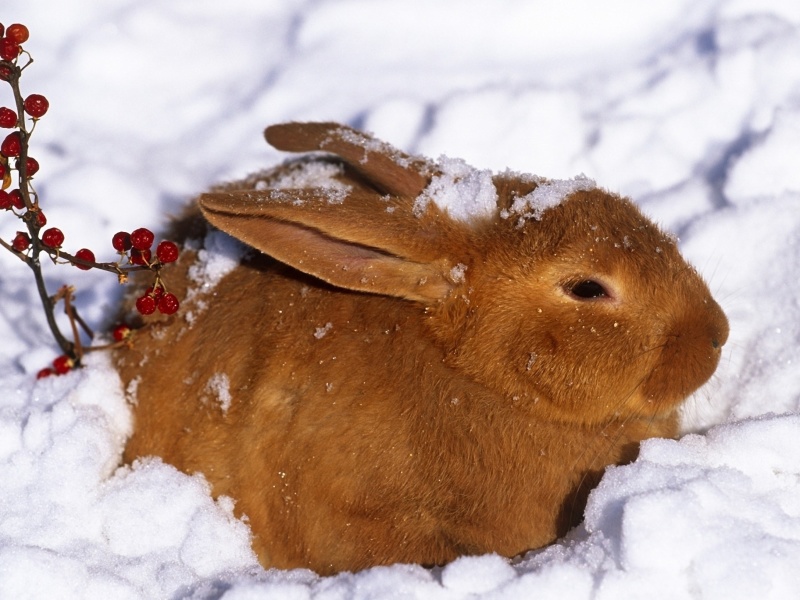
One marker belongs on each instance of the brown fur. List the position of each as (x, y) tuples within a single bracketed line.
[(438, 415)]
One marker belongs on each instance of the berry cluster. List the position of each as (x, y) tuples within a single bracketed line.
[(11, 41), (134, 249), (61, 365), (137, 246)]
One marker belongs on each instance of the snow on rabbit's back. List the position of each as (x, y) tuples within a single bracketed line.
[(424, 360)]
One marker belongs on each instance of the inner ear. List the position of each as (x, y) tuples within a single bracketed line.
[(338, 262)]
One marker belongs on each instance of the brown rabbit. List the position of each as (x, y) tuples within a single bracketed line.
[(396, 380)]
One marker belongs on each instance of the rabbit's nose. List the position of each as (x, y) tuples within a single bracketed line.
[(718, 325)]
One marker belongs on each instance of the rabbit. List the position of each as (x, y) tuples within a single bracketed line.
[(382, 375)]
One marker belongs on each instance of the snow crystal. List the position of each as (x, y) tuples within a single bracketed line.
[(336, 196), (457, 273), (369, 144), (309, 174), (463, 192), (219, 385), (131, 390), (219, 256), (547, 194), (321, 332)]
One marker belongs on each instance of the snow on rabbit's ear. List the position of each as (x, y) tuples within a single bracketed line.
[(389, 169), (355, 245)]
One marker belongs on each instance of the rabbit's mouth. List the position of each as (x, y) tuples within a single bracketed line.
[(688, 356)]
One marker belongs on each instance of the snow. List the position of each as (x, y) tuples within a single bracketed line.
[(547, 194), (457, 273), (309, 174), (219, 386), (219, 255), (463, 192), (368, 144), (321, 332), (691, 108), (74, 525)]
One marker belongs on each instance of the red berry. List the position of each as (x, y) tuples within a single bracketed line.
[(31, 166), (156, 293), (21, 241), (142, 238), (87, 255), (140, 257), (46, 372), (36, 105), (12, 145), (8, 118), (167, 252), (41, 220), (63, 364), (5, 72), (5, 200), (168, 304), (2, 29), (18, 32), (146, 305), (9, 49), (121, 241), (121, 332), (18, 202), (53, 237)]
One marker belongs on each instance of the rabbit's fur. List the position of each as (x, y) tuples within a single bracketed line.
[(402, 385)]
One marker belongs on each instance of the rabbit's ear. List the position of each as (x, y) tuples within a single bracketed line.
[(355, 244), (388, 169)]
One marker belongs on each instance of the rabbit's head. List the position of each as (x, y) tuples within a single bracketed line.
[(557, 295), (588, 309)]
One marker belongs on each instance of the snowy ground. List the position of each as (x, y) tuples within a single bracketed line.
[(692, 107)]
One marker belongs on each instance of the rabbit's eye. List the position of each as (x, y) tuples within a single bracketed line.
[(587, 290)]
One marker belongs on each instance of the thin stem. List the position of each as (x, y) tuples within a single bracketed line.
[(69, 310), (67, 293), (111, 267), (66, 346)]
